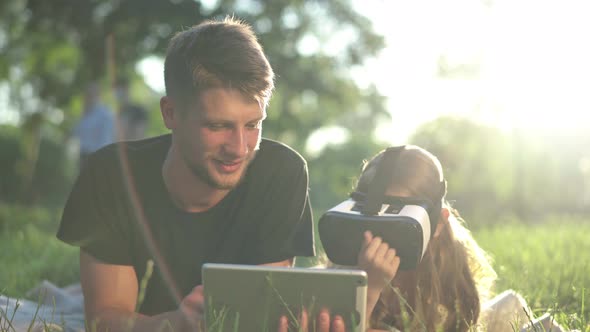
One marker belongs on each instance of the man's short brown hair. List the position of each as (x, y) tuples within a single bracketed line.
[(217, 54)]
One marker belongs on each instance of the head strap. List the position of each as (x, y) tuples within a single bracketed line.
[(373, 200), (381, 180)]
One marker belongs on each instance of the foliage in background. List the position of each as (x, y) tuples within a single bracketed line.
[(334, 173), (48, 182), (494, 175), (51, 50)]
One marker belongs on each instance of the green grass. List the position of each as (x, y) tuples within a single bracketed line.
[(30, 253), (29, 256), (548, 263)]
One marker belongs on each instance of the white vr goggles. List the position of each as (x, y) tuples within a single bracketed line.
[(404, 223)]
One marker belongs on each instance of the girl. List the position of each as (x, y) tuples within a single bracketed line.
[(448, 287), (444, 291)]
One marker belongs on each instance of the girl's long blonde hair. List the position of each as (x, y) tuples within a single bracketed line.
[(455, 274)]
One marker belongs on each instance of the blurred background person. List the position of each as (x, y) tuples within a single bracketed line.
[(96, 127), (132, 118)]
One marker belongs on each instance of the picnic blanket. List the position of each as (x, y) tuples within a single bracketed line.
[(45, 308)]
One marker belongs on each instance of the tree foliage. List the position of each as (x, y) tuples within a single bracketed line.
[(494, 174), (51, 49)]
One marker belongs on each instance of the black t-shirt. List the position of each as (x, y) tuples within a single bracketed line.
[(119, 211)]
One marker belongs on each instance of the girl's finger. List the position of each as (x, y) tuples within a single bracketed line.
[(381, 252), (390, 255), (372, 247)]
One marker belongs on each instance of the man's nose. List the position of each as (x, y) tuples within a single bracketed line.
[(237, 143)]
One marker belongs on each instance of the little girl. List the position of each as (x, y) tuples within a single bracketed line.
[(448, 288)]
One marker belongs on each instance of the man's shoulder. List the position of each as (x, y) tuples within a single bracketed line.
[(139, 149), (159, 143), (278, 151)]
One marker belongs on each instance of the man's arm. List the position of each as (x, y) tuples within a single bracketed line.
[(110, 295)]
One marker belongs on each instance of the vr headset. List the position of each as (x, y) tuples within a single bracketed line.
[(404, 223)]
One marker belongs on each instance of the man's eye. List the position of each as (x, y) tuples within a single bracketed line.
[(254, 125), (216, 126)]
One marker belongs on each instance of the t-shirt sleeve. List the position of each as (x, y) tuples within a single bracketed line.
[(92, 218), (287, 227)]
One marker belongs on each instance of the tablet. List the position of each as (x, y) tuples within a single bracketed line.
[(253, 298)]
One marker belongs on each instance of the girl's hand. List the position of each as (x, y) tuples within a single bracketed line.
[(379, 261), (381, 264)]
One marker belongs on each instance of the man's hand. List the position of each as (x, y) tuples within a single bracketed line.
[(323, 323), (192, 309), (110, 294)]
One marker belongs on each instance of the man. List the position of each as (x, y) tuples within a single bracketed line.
[(132, 118), (211, 191)]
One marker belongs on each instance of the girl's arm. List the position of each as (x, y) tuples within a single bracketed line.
[(381, 264)]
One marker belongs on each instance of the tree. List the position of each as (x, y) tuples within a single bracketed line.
[(52, 48), (477, 162), (493, 174)]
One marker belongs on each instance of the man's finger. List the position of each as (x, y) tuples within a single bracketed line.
[(196, 295), (194, 301), (338, 325), (283, 324), (303, 320), (323, 321)]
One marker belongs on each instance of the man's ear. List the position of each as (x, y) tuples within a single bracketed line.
[(443, 221), (168, 111)]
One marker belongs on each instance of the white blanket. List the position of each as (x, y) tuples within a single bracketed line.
[(46, 308)]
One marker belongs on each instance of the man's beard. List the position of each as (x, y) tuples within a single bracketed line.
[(203, 173)]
